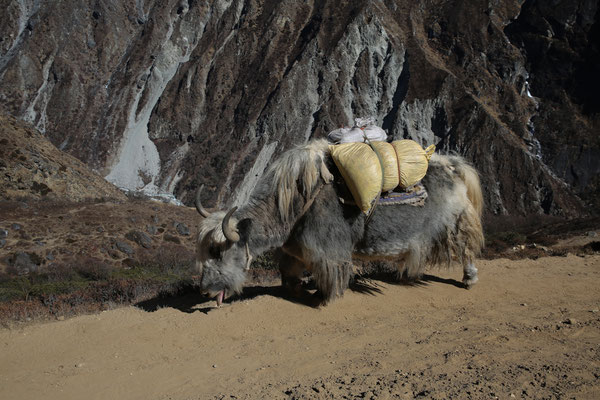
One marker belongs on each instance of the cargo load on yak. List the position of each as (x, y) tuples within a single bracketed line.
[(370, 169)]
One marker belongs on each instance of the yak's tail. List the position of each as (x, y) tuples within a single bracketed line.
[(465, 241), (470, 227), (470, 177)]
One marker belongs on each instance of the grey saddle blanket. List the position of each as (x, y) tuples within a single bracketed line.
[(414, 196)]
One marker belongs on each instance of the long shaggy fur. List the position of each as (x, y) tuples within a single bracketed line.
[(470, 177), (462, 241), (327, 235), (211, 228), (301, 166), (447, 229)]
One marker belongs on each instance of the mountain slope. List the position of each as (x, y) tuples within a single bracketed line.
[(165, 95), (32, 167)]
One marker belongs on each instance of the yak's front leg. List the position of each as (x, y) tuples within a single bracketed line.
[(469, 275), (331, 279), (292, 271)]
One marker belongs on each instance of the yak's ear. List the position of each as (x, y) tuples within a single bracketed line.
[(244, 227)]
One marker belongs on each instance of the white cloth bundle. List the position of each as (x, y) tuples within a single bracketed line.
[(363, 127)]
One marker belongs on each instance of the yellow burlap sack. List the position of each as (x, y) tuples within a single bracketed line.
[(361, 170), (412, 161), (404, 164), (387, 153)]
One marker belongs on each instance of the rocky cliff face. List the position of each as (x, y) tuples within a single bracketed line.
[(560, 41), (163, 95)]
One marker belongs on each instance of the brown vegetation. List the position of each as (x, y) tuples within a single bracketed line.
[(61, 259)]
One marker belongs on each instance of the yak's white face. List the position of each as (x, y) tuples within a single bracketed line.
[(221, 263)]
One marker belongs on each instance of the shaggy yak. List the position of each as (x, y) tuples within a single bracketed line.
[(296, 207)]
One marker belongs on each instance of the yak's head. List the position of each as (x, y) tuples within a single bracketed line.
[(222, 254)]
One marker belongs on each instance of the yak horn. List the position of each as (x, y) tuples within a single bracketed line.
[(231, 234), (198, 203)]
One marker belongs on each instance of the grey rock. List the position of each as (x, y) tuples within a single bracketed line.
[(2, 243), (182, 229), (152, 229), (124, 247), (140, 238), (3, 233), (15, 227), (25, 262)]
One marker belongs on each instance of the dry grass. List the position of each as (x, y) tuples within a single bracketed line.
[(89, 285)]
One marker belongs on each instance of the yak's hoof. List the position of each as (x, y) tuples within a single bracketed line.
[(316, 300), (469, 282), (293, 288)]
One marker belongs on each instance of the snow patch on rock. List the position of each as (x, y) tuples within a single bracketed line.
[(27, 8), (41, 99), (244, 190), (138, 163)]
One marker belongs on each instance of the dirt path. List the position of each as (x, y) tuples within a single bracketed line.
[(529, 329)]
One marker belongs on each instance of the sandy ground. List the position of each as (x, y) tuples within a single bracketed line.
[(529, 329)]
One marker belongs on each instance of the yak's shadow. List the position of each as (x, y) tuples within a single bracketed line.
[(190, 300), (447, 281), (187, 301), (393, 279)]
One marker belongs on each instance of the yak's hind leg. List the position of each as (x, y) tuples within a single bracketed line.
[(469, 275), (470, 237)]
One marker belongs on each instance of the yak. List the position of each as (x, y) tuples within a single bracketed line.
[(296, 207)]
